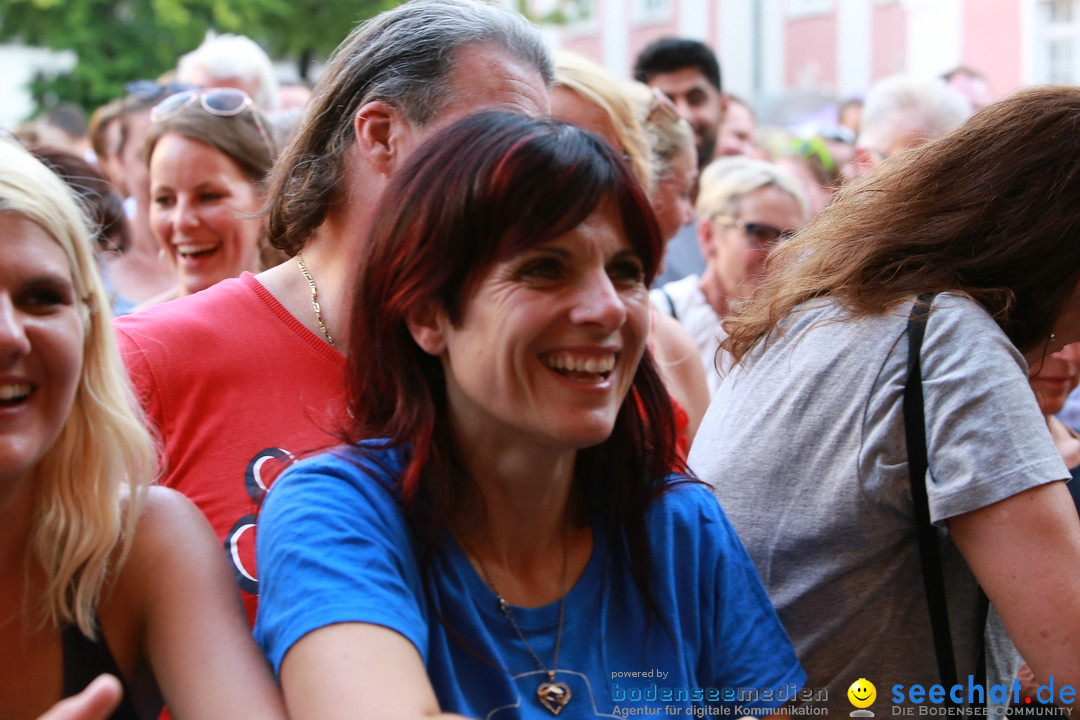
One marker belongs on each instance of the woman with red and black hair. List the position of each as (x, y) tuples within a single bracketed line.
[(510, 544)]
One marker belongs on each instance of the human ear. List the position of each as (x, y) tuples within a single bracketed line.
[(427, 324), (705, 237), (383, 135)]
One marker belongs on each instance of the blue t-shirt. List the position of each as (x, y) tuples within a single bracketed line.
[(334, 546)]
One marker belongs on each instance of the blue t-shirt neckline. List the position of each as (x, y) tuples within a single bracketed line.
[(545, 617)]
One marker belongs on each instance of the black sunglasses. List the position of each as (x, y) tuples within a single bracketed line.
[(763, 235), (153, 90)]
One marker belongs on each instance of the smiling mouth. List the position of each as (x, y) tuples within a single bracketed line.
[(14, 393), (582, 368), (192, 250)]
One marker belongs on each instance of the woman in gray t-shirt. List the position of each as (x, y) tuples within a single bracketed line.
[(805, 442)]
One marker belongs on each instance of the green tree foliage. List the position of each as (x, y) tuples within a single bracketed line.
[(117, 41), (311, 29)]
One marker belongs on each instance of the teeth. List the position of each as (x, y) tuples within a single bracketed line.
[(192, 249), (582, 364), (14, 391)]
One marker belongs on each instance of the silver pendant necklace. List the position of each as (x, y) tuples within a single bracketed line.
[(552, 695)]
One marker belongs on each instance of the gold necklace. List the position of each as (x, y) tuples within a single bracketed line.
[(553, 696), (315, 300)]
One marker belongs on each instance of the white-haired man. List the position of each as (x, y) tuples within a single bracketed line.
[(903, 112)]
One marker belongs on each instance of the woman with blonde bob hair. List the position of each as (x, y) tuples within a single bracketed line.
[(589, 97), (978, 230), (98, 572)]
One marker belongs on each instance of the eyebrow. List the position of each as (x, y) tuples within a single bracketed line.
[(626, 252), (49, 278)]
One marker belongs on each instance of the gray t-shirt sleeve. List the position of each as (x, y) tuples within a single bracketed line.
[(986, 437)]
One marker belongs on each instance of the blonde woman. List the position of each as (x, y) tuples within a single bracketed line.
[(589, 97), (99, 574)]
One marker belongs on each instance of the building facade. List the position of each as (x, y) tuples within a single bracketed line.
[(776, 53)]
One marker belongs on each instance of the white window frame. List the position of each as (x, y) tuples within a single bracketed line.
[(1047, 32), (586, 25), (809, 8), (652, 12)]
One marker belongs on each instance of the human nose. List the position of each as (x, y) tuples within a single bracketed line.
[(683, 108), (13, 339), (185, 217), (687, 211), (599, 303), (1070, 353)]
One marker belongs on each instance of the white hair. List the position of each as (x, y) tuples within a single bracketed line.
[(233, 56), (725, 180), (923, 105)]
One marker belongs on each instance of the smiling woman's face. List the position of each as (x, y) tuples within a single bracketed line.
[(199, 199), (41, 344), (1055, 377), (550, 340)]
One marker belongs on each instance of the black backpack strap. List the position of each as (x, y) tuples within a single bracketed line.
[(671, 303), (929, 549)]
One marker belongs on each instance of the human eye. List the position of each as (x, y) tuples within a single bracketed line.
[(763, 235), (163, 200), (542, 268), (696, 97), (628, 269), (45, 295)]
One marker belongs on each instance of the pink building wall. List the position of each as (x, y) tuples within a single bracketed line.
[(888, 46), (588, 44), (811, 53), (992, 42), (639, 35)]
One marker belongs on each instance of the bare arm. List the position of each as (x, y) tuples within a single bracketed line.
[(679, 360), (357, 670), (194, 631), (1025, 551)]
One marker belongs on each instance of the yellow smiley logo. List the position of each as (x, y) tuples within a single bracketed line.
[(862, 693)]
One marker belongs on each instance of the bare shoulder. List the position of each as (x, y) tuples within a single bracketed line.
[(178, 597), (165, 515), (674, 343), (171, 537)]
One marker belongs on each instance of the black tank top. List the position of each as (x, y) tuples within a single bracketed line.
[(84, 660)]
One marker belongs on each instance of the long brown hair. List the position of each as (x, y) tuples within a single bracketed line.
[(991, 210)]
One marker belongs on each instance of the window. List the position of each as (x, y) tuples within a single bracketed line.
[(1058, 42), (652, 11), (579, 11), (804, 8)]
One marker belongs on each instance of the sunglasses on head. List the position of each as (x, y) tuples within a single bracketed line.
[(222, 102), (763, 235), (661, 106)]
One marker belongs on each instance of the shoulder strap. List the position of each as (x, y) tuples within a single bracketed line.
[(85, 659), (929, 550), (671, 303)]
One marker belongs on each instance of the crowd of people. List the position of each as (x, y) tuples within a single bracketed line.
[(475, 382)]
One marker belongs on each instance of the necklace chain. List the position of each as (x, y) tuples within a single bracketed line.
[(553, 705), (315, 300)]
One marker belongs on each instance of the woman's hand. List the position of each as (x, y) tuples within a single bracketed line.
[(96, 702)]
